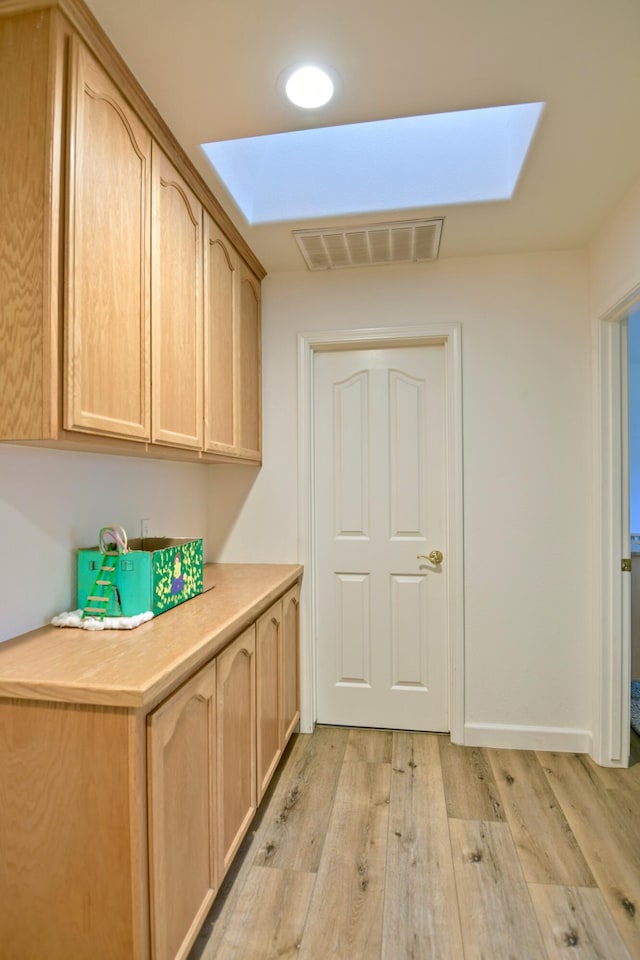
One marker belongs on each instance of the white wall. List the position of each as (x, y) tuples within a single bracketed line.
[(614, 255), (526, 373), (52, 502)]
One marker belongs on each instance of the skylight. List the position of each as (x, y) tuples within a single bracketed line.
[(468, 156)]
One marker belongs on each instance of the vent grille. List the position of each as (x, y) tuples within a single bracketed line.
[(403, 241)]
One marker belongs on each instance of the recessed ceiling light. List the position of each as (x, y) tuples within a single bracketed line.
[(309, 87)]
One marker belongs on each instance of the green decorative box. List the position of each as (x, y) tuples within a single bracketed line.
[(155, 574)]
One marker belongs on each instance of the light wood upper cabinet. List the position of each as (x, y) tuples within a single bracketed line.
[(30, 172), (270, 739), (177, 349), (236, 715), (248, 366), (107, 310), (220, 306), (107, 274), (182, 821), (290, 661), (232, 351)]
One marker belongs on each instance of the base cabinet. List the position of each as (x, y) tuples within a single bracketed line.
[(118, 823), (181, 755)]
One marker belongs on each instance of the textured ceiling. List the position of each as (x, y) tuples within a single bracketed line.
[(211, 68)]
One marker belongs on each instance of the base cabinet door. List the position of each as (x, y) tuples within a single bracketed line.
[(182, 823), (236, 738), (290, 661), (270, 742)]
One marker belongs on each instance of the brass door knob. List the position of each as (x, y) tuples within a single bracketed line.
[(434, 557)]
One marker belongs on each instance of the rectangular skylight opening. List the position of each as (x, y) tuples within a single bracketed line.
[(467, 156)]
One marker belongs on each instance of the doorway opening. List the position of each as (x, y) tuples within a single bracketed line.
[(612, 655)]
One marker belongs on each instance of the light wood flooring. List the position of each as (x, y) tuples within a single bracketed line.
[(372, 845)]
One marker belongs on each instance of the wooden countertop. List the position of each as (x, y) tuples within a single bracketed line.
[(138, 668)]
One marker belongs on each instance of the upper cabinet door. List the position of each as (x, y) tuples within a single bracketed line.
[(107, 306), (248, 366), (220, 307), (177, 348)]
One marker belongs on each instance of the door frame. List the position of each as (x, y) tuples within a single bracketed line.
[(450, 336), (612, 596)]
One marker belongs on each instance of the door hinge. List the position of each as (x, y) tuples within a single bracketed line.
[(625, 564)]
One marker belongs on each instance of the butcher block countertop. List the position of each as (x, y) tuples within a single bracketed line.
[(138, 668)]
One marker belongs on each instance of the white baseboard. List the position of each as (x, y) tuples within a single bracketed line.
[(514, 737)]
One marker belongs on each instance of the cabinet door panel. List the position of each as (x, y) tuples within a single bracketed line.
[(176, 308), (236, 713), (290, 661), (269, 704), (182, 757), (221, 279), (108, 266), (248, 361)]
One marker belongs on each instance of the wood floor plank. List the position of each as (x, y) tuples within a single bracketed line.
[(223, 908), (269, 918), (372, 746), (618, 778), (624, 806), (379, 845), (611, 850), (345, 916), (496, 914), (299, 811), (547, 848), (470, 788), (421, 919), (576, 924)]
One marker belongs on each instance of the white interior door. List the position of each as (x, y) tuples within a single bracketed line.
[(380, 479)]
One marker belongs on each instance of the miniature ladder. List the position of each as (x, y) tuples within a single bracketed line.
[(98, 599)]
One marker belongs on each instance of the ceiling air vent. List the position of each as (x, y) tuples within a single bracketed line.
[(402, 241)]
